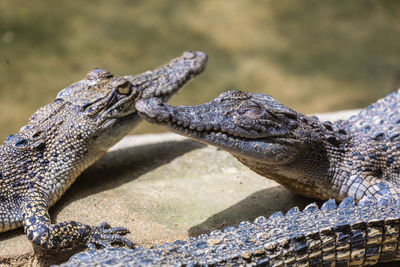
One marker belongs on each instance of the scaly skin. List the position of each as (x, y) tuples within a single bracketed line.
[(63, 138), (357, 159)]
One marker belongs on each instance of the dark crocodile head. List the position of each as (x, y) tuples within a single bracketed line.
[(263, 134), (249, 125), (108, 102)]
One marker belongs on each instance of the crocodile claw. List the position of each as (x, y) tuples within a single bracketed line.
[(103, 236)]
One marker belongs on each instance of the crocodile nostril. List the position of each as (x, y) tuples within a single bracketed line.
[(158, 102), (189, 55), (36, 134)]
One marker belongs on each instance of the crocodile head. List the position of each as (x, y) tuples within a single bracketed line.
[(108, 102), (248, 125), (271, 139)]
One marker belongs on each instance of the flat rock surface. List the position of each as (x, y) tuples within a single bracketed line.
[(161, 187)]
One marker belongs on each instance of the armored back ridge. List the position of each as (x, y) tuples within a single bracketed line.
[(343, 235), (66, 136)]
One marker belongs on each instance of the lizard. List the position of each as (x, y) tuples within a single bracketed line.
[(63, 138), (355, 162)]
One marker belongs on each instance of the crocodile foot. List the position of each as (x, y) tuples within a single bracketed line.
[(103, 236)]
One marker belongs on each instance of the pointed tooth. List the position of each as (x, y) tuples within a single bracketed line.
[(260, 220), (329, 205), (311, 208), (276, 215), (348, 202), (293, 211)]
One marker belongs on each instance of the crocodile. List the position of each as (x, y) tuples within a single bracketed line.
[(354, 162), (63, 138)]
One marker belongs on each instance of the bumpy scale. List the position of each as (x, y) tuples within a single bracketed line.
[(38, 164)]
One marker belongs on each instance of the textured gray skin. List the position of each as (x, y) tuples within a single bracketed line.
[(41, 161), (357, 159)]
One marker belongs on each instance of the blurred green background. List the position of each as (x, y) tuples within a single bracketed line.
[(314, 56)]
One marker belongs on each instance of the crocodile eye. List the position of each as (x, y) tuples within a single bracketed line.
[(124, 90), (254, 113), (123, 86)]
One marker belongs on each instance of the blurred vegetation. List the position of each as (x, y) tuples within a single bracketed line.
[(314, 56)]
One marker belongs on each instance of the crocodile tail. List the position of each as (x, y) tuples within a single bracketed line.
[(348, 233)]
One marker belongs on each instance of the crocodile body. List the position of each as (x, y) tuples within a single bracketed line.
[(41, 161), (352, 161)]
